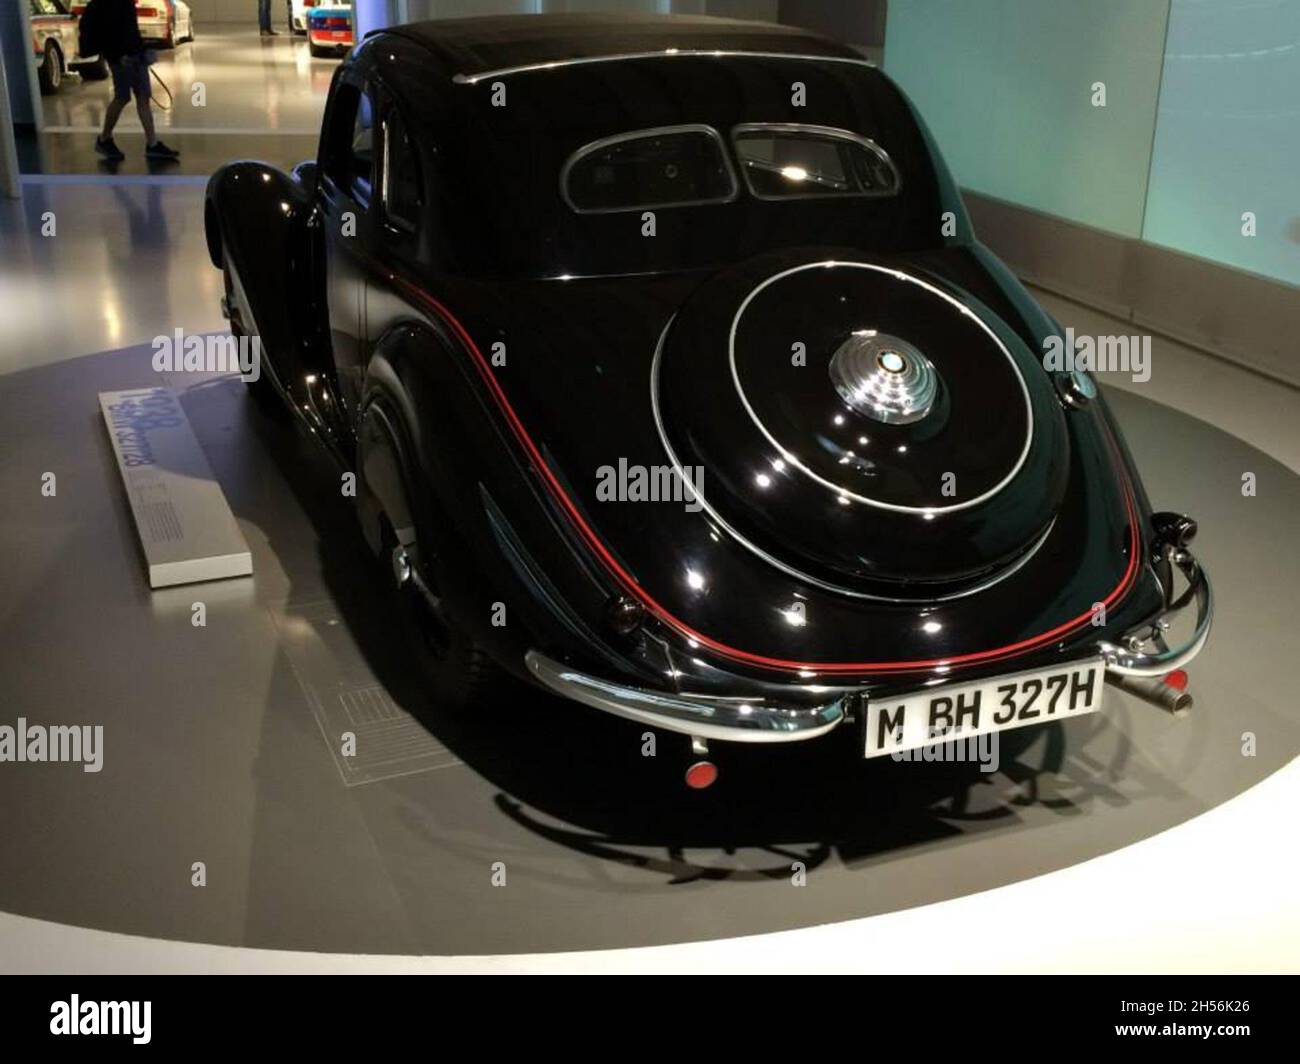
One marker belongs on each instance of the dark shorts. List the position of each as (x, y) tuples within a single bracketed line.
[(130, 75)]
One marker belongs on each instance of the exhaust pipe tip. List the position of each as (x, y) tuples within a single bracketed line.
[(1179, 703), (1168, 692)]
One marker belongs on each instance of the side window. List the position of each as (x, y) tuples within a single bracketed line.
[(403, 193), (350, 149)]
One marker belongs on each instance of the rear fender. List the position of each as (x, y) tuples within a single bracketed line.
[(417, 467), (432, 460)]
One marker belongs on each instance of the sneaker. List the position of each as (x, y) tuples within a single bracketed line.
[(159, 150), (109, 150)]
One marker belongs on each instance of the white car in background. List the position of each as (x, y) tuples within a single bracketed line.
[(169, 22), (165, 22), (298, 14), (54, 46)]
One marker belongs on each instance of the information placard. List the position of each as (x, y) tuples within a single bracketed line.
[(186, 529)]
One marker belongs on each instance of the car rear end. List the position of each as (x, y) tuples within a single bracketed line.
[(330, 26), (155, 19)]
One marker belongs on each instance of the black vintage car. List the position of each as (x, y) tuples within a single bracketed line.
[(676, 382)]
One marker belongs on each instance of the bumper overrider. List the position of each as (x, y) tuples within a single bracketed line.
[(1138, 662)]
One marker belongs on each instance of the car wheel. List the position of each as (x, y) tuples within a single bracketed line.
[(94, 71), (458, 671), (170, 40), (50, 73), (317, 50)]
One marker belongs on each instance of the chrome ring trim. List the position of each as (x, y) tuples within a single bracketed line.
[(844, 492), (790, 570), (637, 134), (833, 132), (664, 53), (727, 717)]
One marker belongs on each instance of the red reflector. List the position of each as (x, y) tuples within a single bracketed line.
[(701, 775), (1177, 679)]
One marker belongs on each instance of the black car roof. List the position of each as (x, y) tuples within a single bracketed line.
[(471, 47)]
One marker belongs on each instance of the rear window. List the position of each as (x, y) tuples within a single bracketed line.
[(673, 167), (804, 162)]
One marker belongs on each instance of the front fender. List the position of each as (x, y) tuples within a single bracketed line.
[(258, 225)]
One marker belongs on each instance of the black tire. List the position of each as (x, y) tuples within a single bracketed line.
[(263, 393), (169, 41), (458, 672), (97, 70), (50, 72), (317, 50)]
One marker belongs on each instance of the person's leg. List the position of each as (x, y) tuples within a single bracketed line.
[(145, 111), (111, 114), (121, 97), (154, 148), (264, 15)]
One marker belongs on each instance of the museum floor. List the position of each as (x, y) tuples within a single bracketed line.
[(234, 95), (227, 764)]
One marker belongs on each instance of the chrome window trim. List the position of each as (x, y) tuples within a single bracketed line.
[(383, 161), (665, 53), (830, 132), (639, 134), (393, 221)]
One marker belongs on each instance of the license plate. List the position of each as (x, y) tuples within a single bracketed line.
[(961, 711)]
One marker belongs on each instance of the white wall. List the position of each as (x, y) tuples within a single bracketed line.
[(235, 11), (372, 14)]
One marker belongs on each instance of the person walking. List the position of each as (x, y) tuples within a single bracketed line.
[(118, 35)]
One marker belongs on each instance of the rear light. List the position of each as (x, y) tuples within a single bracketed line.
[(701, 775)]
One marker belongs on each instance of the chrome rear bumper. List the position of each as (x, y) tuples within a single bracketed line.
[(814, 711), (735, 719), (1144, 651)]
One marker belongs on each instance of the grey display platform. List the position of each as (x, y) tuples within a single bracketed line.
[(215, 748)]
